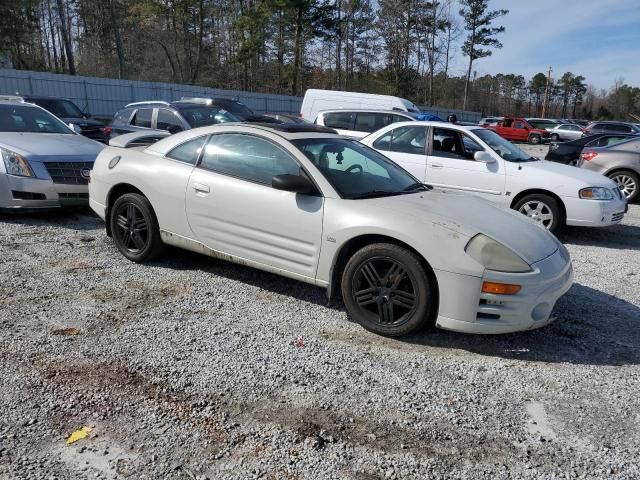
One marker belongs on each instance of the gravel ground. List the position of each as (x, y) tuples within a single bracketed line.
[(193, 368)]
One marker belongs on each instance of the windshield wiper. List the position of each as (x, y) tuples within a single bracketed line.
[(417, 186), (374, 194)]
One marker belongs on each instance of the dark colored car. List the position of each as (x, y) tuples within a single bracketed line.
[(611, 127), (569, 152), (173, 117), (69, 112), (239, 110), (287, 118)]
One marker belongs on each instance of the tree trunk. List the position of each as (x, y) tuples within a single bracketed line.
[(466, 83), (297, 50), (118, 39), (66, 37)]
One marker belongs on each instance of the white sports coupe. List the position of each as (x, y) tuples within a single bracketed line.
[(311, 205), (478, 161)]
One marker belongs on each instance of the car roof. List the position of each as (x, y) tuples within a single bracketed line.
[(18, 102)]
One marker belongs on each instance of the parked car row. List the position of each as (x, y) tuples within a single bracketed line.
[(412, 222)]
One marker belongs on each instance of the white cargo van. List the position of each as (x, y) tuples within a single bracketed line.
[(316, 101)]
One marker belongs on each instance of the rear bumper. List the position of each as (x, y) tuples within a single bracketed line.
[(483, 313), (33, 193), (594, 213)]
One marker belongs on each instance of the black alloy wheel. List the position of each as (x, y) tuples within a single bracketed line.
[(135, 228), (387, 290)]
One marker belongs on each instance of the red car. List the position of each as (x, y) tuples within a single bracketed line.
[(519, 130)]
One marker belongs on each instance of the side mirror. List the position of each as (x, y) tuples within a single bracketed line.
[(483, 157), (293, 183), (75, 128)]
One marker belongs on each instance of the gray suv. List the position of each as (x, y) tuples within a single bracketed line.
[(173, 117), (610, 127)]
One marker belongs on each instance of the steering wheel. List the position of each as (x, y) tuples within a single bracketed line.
[(353, 167)]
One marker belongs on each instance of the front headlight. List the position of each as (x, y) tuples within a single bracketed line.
[(15, 163), (596, 193), (495, 256)]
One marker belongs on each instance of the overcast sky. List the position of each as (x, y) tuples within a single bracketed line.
[(599, 39)]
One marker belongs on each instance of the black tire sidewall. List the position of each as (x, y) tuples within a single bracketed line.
[(555, 137), (423, 314), (552, 203), (152, 247), (535, 139)]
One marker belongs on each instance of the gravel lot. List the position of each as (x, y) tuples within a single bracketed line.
[(193, 368)]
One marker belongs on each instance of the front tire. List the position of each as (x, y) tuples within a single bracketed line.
[(387, 290), (135, 228), (555, 137), (628, 182), (544, 209)]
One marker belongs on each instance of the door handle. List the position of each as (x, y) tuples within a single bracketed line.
[(200, 188), (436, 165)]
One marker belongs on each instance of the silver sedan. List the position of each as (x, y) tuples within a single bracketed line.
[(565, 132), (44, 163)]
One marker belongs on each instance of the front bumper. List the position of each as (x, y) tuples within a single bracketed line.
[(594, 213), (18, 193), (464, 308)]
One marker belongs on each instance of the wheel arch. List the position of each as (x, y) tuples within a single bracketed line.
[(354, 244), (114, 193), (533, 191), (621, 168)]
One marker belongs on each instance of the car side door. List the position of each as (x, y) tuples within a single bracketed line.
[(406, 146), (233, 209), (451, 165), (520, 131)]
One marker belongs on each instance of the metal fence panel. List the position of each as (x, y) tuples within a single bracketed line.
[(104, 96)]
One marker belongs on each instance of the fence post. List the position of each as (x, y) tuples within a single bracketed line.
[(30, 84), (266, 104), (132, 92), (86, 95)]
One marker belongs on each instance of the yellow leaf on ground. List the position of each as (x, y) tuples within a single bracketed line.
[(78, 435)]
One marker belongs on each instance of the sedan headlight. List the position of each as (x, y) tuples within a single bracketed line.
[(596, 193), (495, 256), (15, 163)]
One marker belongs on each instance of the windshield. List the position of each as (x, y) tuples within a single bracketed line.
[(502, 147), (355, 170), (238, 109), (60, 108), (201, 116), (19, 118)]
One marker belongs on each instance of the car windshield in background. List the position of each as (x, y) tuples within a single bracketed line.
[(238, 109), (201, 116), (502, 147), (355, 170), (60, 108), (16, 118)]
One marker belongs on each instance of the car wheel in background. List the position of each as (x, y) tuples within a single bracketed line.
[(542, 208), (135, 228), (386, 289), (535, 139), (555, 137), (628, 182)]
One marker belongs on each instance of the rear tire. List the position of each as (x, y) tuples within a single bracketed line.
[(535, 139), (555, 137), (135, 228), (544, 209), (629, 183), (387, 290)]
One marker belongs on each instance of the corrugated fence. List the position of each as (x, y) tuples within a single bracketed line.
[(104, 96)]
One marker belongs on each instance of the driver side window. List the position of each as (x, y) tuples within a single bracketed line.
[(453, 144)]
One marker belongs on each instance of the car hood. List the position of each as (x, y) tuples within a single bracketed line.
[(45, 146), (559, 176), (468, 215)]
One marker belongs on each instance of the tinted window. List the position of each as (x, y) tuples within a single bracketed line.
[(189, 151), (355, 169), (519, 125), (18, 118), (122, 117), (247, 157), (60, 108), (507, 123), (340, 120), (143, 117), (168, 120), (403, 140)]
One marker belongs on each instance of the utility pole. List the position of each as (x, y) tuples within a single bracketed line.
[(547, 90)]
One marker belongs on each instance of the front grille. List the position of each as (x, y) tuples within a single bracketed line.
[(616, 217), (73, 196), (69, 173), (27, 195)]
